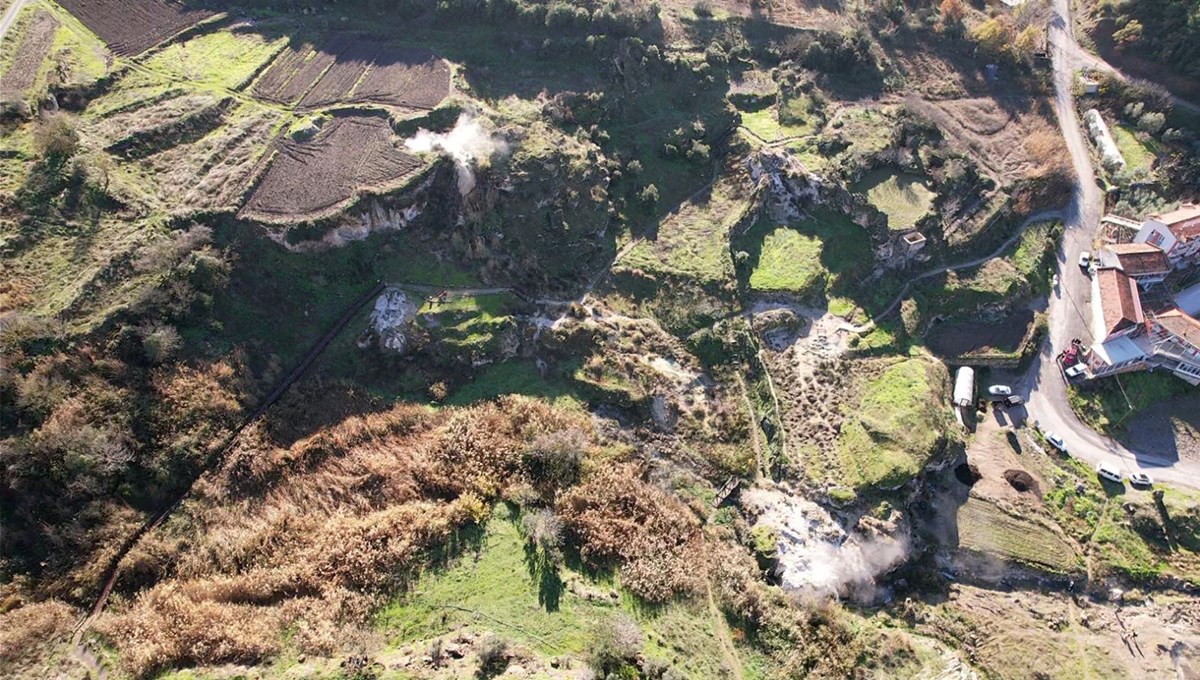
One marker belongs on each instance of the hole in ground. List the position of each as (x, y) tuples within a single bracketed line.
[(1020, 480), (968, 474)]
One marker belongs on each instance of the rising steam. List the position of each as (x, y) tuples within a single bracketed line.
[(818, 557), (469, 144)]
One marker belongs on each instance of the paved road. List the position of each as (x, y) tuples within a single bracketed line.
[(1069, 304), (10, 16)]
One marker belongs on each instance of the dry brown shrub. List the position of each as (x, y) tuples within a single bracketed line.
[(615, 515), (198, 406), (342, 515), (26, 631), (166, 627), (480, 449)]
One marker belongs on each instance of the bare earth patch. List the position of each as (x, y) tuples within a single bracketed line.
[(133, 26), (308, 180), (22, 73)]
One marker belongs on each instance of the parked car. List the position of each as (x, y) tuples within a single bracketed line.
[(1076, 370), (1085, 258), (1013, 400), (1057, 442), (999, 390), (1106, 471), (1141, 479)]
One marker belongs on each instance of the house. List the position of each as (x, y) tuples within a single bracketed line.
[(1147, 264), (1117, 316), (1176, 232), (1174, 339), (1119, 305)]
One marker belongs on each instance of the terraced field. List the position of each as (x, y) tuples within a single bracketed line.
[(349, 69), (309, 179), (133, 26), (986, 528)]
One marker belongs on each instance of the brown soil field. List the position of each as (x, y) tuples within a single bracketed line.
[(294, 72), (956, 339), (346, 69), (133, 26), (406, 76), (22, 73), (1008, 136), (308, 180)]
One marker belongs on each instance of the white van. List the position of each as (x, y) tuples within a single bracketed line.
[(1108, 472)]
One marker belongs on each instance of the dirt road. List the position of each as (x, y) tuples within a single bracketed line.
[(1069, 304), (10, 16)]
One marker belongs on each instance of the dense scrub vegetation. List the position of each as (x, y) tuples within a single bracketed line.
[(1167, 32)]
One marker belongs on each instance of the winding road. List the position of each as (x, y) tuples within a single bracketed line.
[(1069, 305)]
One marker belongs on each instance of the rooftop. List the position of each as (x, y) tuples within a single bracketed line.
[(1184, 221), (1119, 301), (1138, 259), (1181, 325)]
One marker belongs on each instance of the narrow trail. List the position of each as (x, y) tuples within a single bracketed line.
[(79, 649), (1008, 242), (724, 639)]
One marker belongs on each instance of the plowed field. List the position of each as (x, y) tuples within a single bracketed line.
[(133, 26), (346, 69), (310, 180)]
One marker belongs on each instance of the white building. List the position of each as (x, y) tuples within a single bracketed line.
[(1177, 233)]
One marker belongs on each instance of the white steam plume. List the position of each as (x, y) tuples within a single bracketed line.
[(468, 144), (816, 556)]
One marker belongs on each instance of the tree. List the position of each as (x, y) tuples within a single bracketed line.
[(649, 196), (1152, 122), (615, 645), (1128, 34), (952, 12), (56, 139), (994, 36), (1027, 43)]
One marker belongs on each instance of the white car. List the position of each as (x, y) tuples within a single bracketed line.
[(999, 390), (1141, 479), (1076, 370), (1085, 258), (1108, 472), (1057, 442)]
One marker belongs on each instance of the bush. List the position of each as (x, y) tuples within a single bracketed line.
[(493, 657), (555, 460), (615, 645)]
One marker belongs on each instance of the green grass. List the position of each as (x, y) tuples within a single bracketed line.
[(894, 427), (1105, 406), (964, 292), (83, 54), (825, 247), (493, 590), (792, 118), (904, 197), (222, 59), (694, 243), (511, 377), (790, 261), (984, 527), (1138, 154)]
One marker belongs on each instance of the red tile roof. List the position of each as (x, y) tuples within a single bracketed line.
[(1119, 300), (1140, 259), (1180, 325)]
